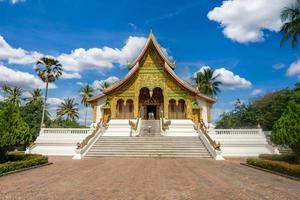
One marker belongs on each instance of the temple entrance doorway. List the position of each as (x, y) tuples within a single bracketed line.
[(151, 103), (151, 112)]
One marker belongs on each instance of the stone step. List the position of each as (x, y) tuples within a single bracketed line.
[(152, 156)]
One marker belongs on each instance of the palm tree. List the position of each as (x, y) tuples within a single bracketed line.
[(12, 94), (49, 70), (36, 95), (291, 27), (86, 92), (207, 83), (104, 85), (69, 109)]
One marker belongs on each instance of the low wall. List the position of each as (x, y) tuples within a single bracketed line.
[(59, 141), (242, 142)]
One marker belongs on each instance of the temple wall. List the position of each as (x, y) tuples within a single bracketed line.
[(99, 111), (204, 111)]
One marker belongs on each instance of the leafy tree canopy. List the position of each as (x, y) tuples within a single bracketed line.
[(14, 131), (265, 110), (286, 130)]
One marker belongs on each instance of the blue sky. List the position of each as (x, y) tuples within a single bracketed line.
[(239, 38)]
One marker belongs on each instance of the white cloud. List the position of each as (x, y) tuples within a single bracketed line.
[(80, 83), (21, 79), (54, 101), (1, 98), (278, 66), (111, 80), (13, 1), (245, 20), (294, 69), (257, 92), (17, 55), (70, 75), (228, 79), (101, 58)]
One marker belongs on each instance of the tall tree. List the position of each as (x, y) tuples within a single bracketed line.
[(36, 95), (14, 131), (49, 70), (86, 92), (286, 129), (207, 83), (69, 109), (12, 94), (291, 27), (104, 85)]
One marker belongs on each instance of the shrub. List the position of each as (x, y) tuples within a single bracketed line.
[(278, 166), (22, 161), (290, 158)]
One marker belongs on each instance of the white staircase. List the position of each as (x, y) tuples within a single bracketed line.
[(181, 127), (118, 127), (59, 141), (175, 147), (150, 128)]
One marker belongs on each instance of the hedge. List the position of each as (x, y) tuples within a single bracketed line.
[(278, 166), (24, 161), (290, 158)]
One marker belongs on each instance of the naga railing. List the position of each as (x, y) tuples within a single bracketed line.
[(211, 145), (204, 130), (135, 126), (165, 123)]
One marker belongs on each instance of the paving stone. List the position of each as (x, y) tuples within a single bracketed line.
[(146, 179)]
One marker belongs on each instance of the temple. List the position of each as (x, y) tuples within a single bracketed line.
[(152, 85), (151, 112)]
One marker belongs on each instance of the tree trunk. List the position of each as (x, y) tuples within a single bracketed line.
[(44, 107), (86, 109)]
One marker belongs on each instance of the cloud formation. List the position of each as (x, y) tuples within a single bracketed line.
[(21, 79), (101, 58), (79, 59), (257, 92), (17, 55), (54, 101), (228, 79), (111, 80), (294, 69), (245, 20), (13, 1)]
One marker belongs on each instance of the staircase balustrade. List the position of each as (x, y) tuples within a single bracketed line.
[(135, 127), (210, 144)]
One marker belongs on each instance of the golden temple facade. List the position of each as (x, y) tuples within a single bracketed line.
[(151, 86)]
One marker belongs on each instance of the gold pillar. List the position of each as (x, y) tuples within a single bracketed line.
[(166, 104), (188, 108), (113, 107)]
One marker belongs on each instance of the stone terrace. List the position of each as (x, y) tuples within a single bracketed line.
[(146, 179)]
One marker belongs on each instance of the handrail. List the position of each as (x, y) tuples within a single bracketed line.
[(89, 141), (204, 130), (86, 140), (135, 126), (215, 151)]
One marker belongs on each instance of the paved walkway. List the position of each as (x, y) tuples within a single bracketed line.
[(146, 179)]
